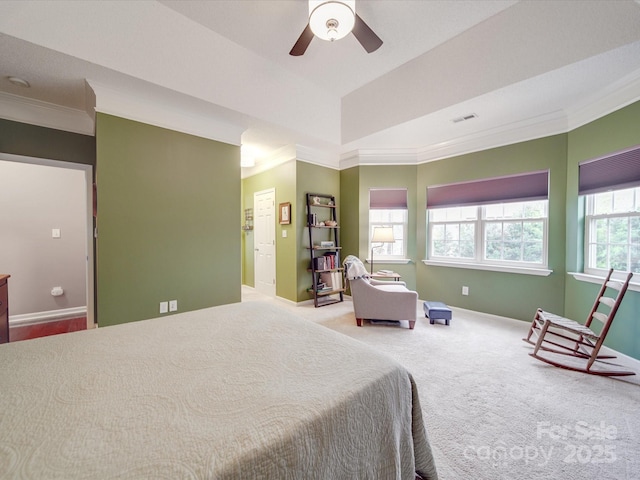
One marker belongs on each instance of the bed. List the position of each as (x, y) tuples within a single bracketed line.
[(240, 391)]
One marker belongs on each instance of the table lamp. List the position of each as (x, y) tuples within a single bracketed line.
[(381, 235)]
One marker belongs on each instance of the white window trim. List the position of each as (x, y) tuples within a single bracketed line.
[(589, 218), (491, 265), (585, 277), (398, 261), (542, 272)]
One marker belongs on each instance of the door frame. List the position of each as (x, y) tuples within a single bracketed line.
[(90, 247)]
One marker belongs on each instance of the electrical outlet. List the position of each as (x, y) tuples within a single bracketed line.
[(164, 307), (465, 290), (173, 305)]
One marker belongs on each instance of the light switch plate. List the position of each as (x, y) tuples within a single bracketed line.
[(55, 233), (173, 305), (164, 307)]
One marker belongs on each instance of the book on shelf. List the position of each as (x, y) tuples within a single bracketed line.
[(333, 280), (330, 261), (320, 263), (320, 287)]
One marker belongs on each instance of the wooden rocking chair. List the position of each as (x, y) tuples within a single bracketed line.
[(560, 335)]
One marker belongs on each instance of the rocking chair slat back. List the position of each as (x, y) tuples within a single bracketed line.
[(608, 301)]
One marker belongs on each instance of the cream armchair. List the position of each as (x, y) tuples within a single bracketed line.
[(379, 300)]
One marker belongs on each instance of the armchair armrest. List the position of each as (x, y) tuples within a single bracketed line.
[(376, 283)]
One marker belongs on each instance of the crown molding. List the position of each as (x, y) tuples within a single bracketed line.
[(107, 100), (278, 157), (292, 152), (317, 156), (44, 114), (531, 129), (159, 114), (381, 156), (614, 97), (618, 95)]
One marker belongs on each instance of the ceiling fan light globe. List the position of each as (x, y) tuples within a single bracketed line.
[(332, 29), (331, 20)]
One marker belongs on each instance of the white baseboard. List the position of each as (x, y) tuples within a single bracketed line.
[(630, 361), (285, 300), (303, 303), (47, 316)]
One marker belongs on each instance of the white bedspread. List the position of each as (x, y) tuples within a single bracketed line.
[(242, 391)]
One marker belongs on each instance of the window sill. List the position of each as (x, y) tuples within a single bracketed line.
[(396, 261), (585, 277), (541, 272)]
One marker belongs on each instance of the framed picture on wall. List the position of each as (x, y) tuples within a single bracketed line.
[(285, 213)]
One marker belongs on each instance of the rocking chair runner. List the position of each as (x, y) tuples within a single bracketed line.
[(580, 341)]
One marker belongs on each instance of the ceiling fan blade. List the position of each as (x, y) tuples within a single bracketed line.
[(303, 42), (367, 37)]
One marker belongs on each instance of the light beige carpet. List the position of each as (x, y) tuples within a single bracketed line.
[(492, 411)]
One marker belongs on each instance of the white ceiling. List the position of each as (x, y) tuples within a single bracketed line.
[(526, 68)]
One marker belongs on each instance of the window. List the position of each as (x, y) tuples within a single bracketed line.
[(504, 233), (389, 218), (453, 232), (611, 186), (500, 221), (612, 231), (388, 208)]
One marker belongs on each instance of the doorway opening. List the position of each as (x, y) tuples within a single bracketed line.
[(47, 239)]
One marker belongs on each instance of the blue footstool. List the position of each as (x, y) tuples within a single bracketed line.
[(437, 310)]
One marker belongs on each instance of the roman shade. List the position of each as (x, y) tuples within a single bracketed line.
[(512, 188), (388, 198), (613, 171)]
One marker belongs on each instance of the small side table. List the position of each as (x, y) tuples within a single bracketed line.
[(386, 276)]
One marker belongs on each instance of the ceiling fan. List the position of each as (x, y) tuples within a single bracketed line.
[(332, 20)]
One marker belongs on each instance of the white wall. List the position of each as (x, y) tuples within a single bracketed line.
[(34, 199)]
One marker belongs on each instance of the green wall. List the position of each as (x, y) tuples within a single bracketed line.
[(177, 223), (168, 220), (616, 131), (355, 209), (491, 292), (291, 180), (313, 179), (506, 294), (283, 179), (41, 142), (350, 212)]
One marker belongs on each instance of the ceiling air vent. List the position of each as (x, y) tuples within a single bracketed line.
[(464, 118)]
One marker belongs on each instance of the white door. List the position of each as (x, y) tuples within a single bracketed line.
[(264, 231)]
